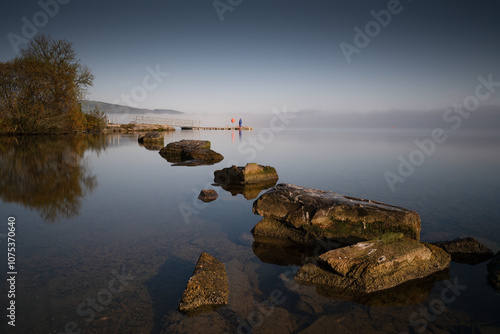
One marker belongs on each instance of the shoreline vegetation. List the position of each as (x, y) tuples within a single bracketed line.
[(41, 90)]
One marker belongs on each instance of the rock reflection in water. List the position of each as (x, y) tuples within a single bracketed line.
[(287, 253), (151, 146), (410, 293), (48, 174), (249, 191)]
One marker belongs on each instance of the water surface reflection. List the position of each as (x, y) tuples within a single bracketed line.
[(48, 174)]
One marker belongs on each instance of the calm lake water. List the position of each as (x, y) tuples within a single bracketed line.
[(108, 232)]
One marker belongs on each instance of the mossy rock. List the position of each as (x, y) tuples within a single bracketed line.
[(331, 216), (252, 173), (208, 287), (375, 265)]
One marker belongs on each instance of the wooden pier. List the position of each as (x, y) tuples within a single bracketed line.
[(185, 124), (227, 128)]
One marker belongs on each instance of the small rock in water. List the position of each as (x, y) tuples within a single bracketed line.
[(208, 195), (252, 173), (466, 250), (190, 153), (151, 137)]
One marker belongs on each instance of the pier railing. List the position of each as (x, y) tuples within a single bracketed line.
[(165, 120)]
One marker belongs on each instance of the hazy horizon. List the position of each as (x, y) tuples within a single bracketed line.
[(255, 56)]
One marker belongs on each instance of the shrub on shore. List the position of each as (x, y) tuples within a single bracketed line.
[(95, 120), (40, 90)]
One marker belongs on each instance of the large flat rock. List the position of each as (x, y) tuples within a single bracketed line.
[(208, 287), (375, 265), (304, 214)]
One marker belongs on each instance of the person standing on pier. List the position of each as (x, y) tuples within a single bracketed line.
[(240, 123)]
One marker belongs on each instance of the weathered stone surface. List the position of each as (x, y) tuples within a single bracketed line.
[(151, 137), (208, 195), (305, 215), (375, 265), (494, 272), (190, 153), (466, 250), (252, 173), (208, 287)]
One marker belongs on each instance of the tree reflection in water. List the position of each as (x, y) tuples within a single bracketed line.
[(48, 174)]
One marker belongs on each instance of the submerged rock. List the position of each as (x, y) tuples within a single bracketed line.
[(466, 250), (208, 287), (306, 215), (208, 195), (151, 137), (190, 153), (375, 265), (494, 272), (252, 173), (412, 292)]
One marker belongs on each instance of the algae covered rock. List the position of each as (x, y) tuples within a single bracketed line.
[(304, 215), (151, 137), (252, 173), (248, 181), (208, 287), (190, 153), (375, 265)]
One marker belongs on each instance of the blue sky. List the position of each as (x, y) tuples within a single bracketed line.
[(272, 54)]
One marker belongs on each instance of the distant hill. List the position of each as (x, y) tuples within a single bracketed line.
[(110, 108)]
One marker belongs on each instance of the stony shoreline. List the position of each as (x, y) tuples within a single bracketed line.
[(130, 128)]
